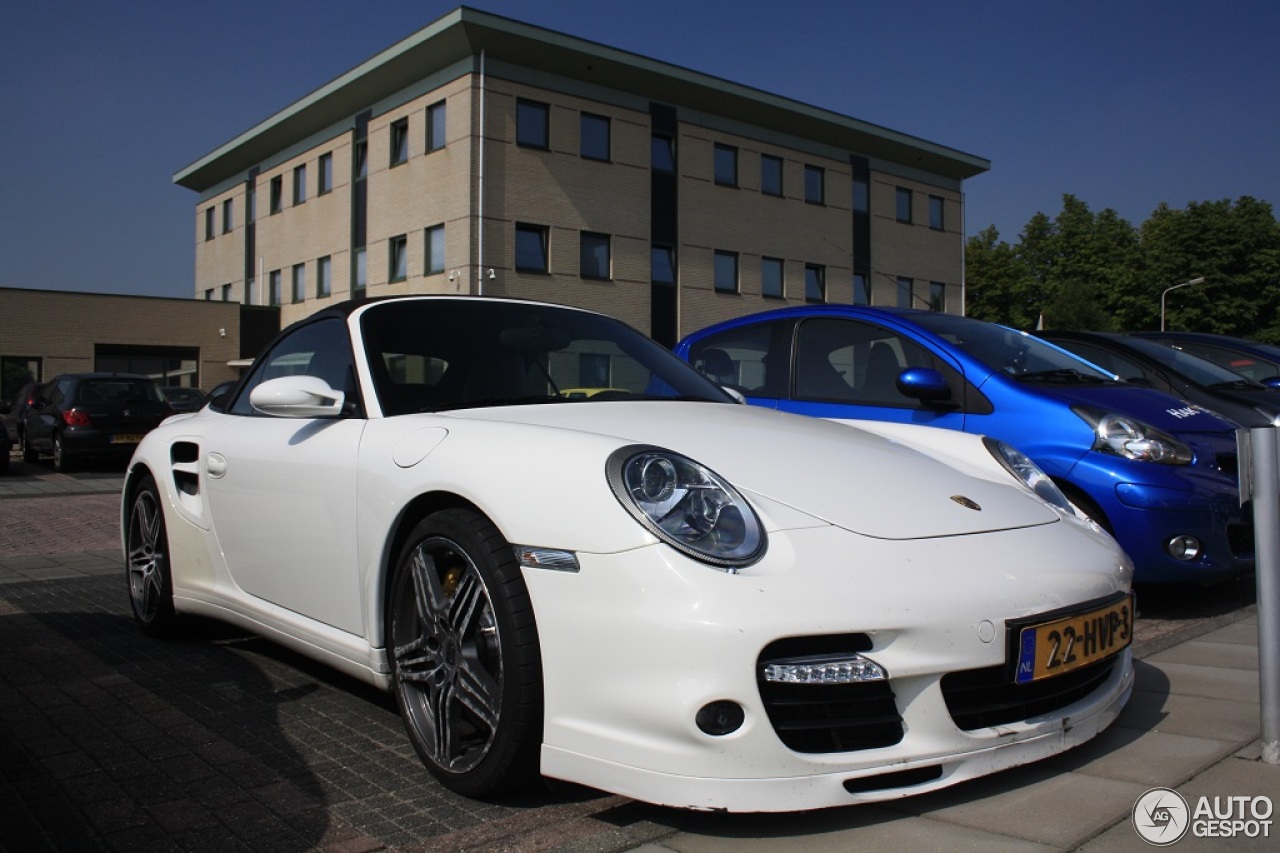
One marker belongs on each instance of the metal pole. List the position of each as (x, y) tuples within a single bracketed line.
[(1265, 485)]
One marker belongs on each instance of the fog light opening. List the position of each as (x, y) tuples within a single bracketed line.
[(1185, 548), (720, 718)]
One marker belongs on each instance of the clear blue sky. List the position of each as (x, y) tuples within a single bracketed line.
[(1123, 104)]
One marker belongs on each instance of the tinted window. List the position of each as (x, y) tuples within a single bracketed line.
[(1006, 350), (446, 354), (741, 357), (317, 349), (849, 361)]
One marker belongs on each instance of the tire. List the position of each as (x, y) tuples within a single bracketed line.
[(465, 664), (147, 562), (61, 459)]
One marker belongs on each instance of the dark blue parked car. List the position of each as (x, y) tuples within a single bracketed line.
[(1157, 472)]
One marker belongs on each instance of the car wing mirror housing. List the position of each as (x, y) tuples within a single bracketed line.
[(924, 384), (297, 397)]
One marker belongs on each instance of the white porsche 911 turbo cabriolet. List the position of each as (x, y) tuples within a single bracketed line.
[(568, 554)]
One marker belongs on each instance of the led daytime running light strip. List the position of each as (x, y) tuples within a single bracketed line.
[(828, 669)]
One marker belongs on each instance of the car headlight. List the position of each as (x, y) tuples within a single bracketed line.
[(686, 505), (1028, 473), (1130, 438)]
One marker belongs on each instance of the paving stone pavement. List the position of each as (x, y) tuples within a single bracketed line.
[(222, 741)]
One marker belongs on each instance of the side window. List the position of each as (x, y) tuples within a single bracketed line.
[(847, 361), (745, 358), (319, 349)]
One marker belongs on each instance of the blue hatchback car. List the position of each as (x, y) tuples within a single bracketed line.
[(1155, 471)]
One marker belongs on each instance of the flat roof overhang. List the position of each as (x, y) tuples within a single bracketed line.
[(466, 32)]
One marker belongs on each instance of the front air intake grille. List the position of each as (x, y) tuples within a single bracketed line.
[(816, 718), (981, 698), (1240, 540)]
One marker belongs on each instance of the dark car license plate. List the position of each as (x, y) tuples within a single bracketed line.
[(1057, 646), (126, 438)]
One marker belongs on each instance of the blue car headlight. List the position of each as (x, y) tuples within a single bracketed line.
[(686, 505), (1028, 473), (1130, 438)]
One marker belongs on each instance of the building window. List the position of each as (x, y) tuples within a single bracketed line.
[(531, 248), (208, 223), (208, 294), (277, 193), (903, 209), (594, 140), (936, 211), (533, 122), (814, 190), (906, 286), (360, 271), (815, 283), (226, 293), (299, 184), (251, 292), (250, 205), (595, 256), (861, 289), (726, 165), (324, 277), (299, 282), (662, 265), (273, 287), (398, 258), (662, 153), (399, 142), (725, 272), (360, 161), (861, 196), (770, 175), (771, 284), (433, 249), (226, 217), (937, 296), (593, 370), (435, 127), (324, 174)]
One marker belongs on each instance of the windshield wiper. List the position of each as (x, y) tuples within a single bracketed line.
[(1066, 375)]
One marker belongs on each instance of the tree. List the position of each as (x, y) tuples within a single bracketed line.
[(1089, 270)]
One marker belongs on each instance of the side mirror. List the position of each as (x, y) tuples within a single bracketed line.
[(925, 384), (297, 397)]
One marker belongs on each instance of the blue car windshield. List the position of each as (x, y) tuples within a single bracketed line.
[(1011, 352)]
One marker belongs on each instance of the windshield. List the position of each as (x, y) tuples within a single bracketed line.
[(1011, 352), (1193, 367), (440, 354)]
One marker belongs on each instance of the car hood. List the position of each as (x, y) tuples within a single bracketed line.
[(838, 474), (1156, 408)]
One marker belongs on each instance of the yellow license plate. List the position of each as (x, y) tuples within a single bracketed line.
[(1057, 646), (126, 439)]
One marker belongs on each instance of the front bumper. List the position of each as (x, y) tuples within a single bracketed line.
[(634, 644)]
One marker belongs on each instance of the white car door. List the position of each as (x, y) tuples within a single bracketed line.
[(282, 491)]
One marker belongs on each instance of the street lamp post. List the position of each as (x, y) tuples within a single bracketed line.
[(1199, 280)]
